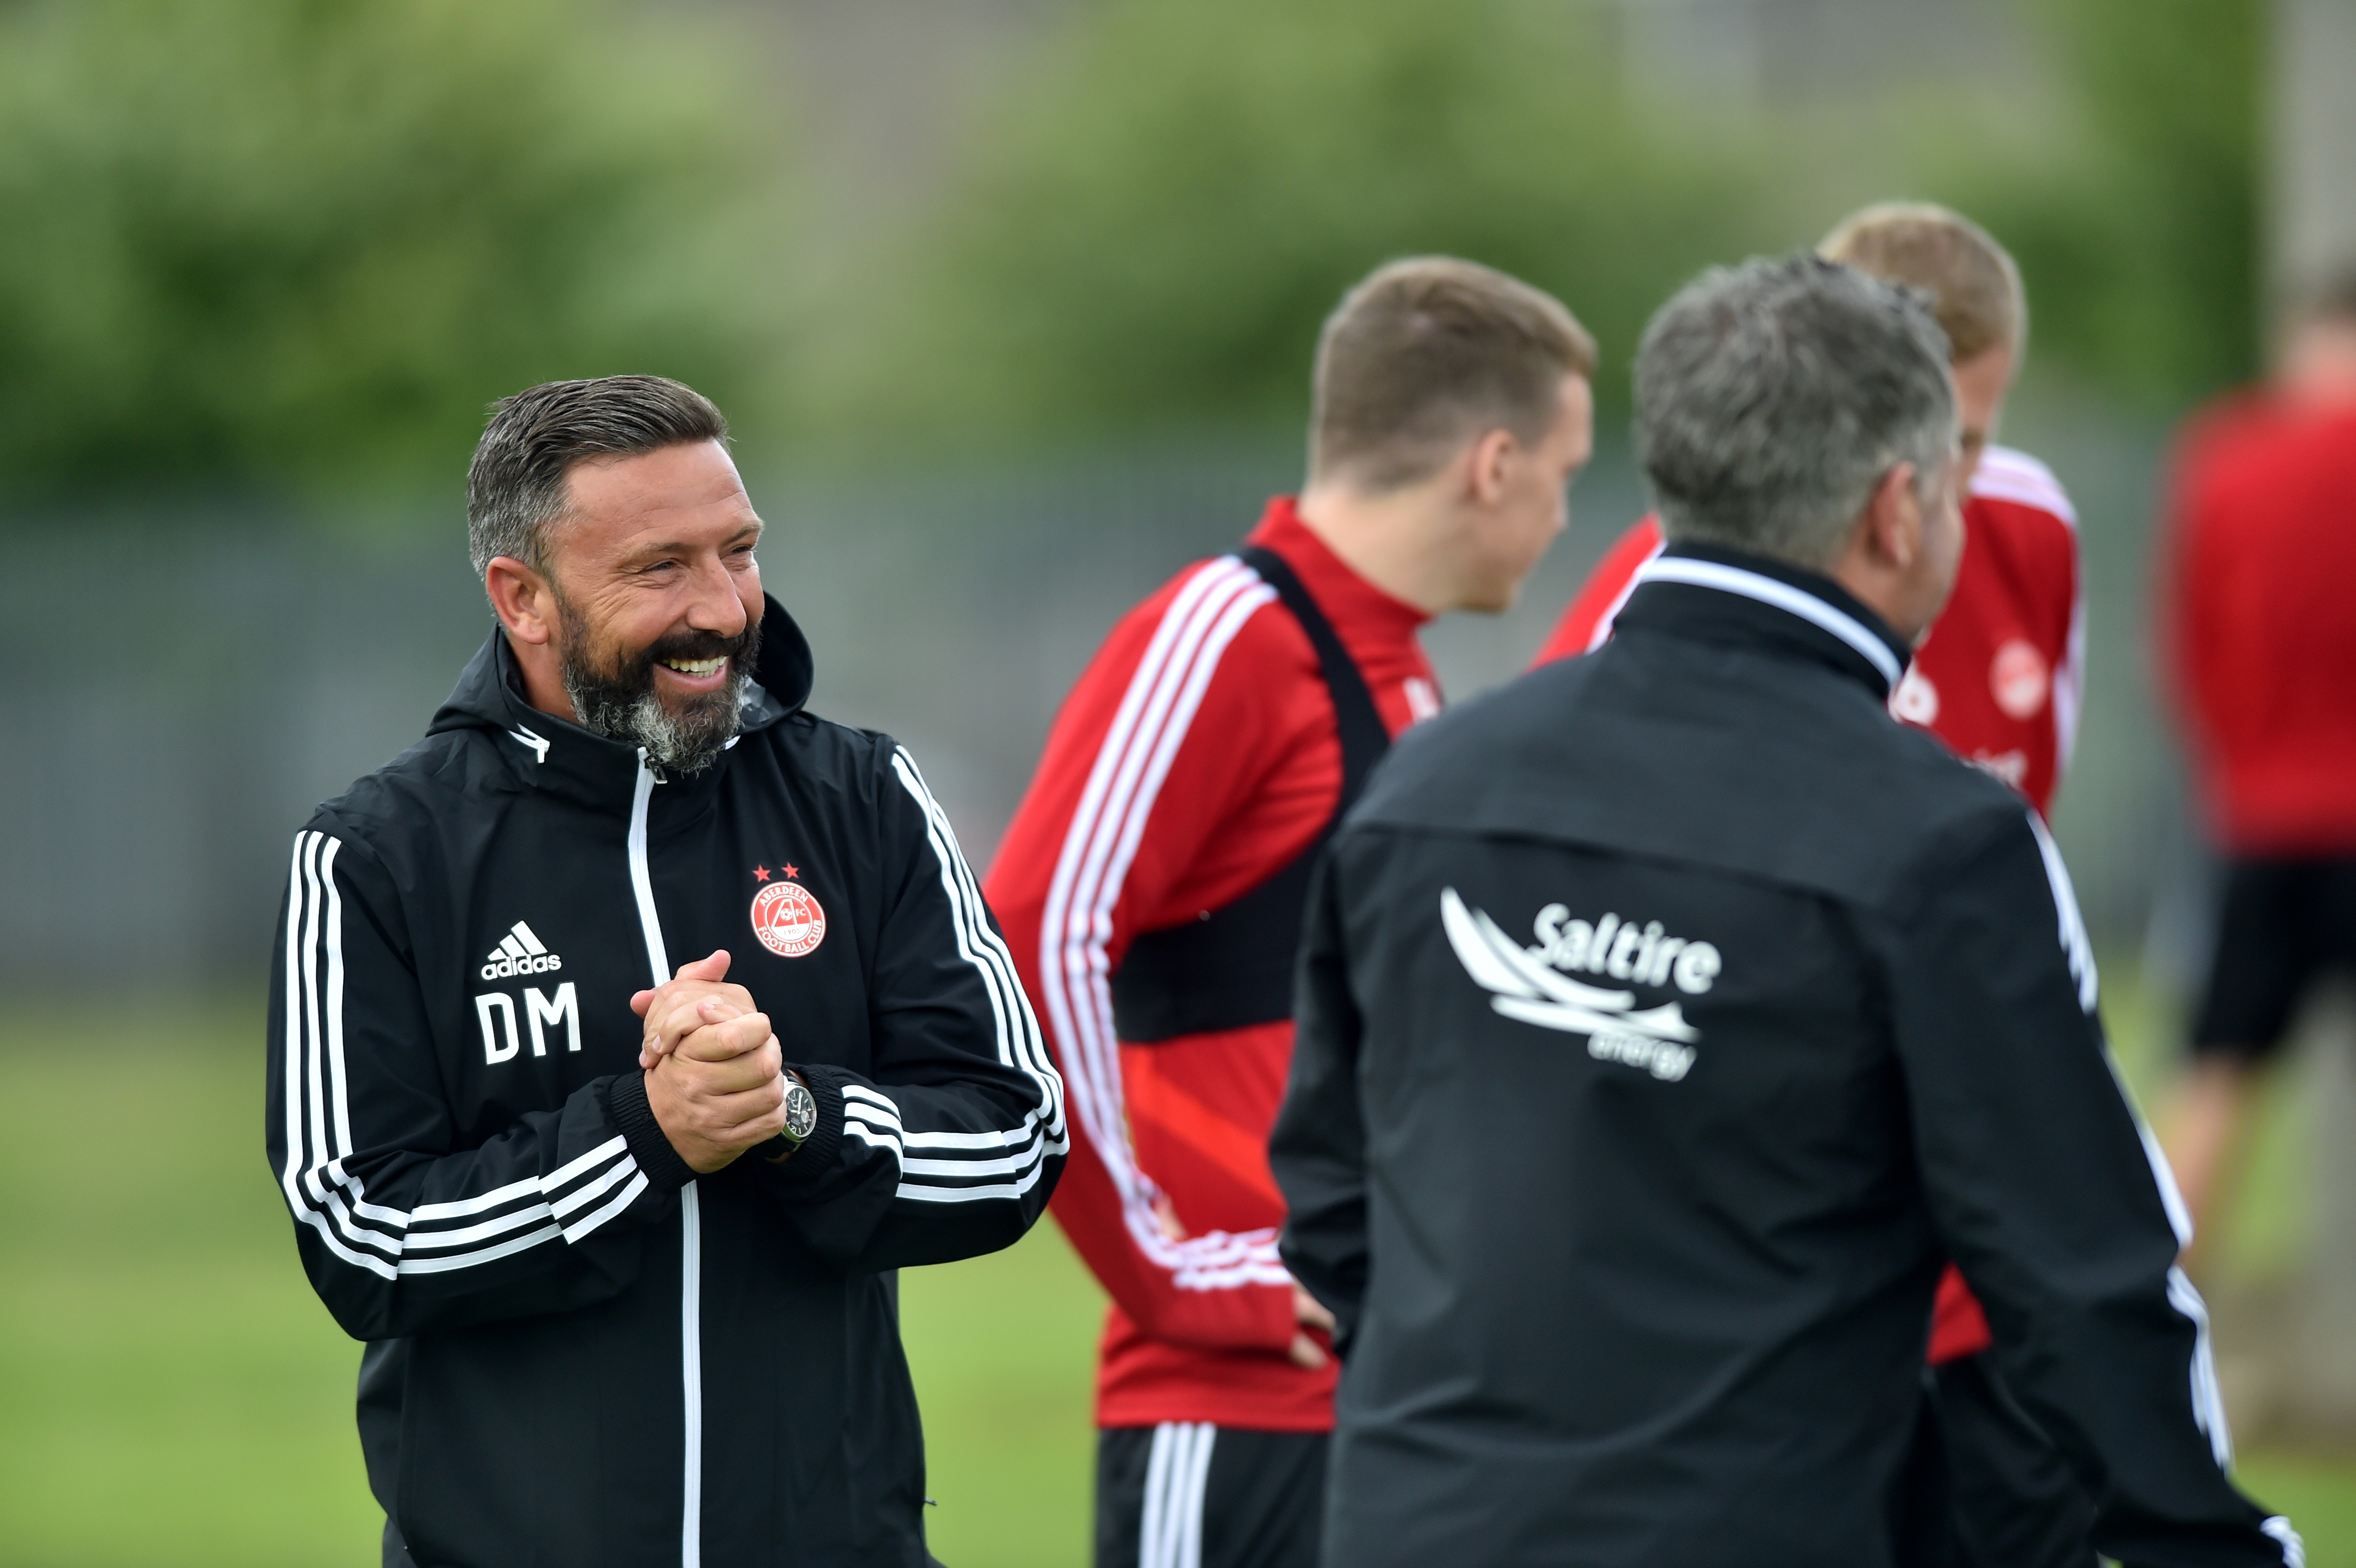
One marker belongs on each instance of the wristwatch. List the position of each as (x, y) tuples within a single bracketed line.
[(801, 1119)]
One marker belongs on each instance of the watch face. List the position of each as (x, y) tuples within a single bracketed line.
[(801, 1112)]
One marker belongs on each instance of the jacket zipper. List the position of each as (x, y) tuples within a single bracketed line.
[(690, 1282)]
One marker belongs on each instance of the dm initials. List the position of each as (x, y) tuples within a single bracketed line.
[(503, 1044)]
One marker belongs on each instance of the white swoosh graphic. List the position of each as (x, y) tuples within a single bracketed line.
[(1521, 987)]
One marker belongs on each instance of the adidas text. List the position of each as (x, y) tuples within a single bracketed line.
[(533, 964), (519, 952)]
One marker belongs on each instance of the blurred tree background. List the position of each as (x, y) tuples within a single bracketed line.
[(1154, 223), (299, 244), (2136, 216)]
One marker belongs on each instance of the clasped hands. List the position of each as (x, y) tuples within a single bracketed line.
[(715, 1074), (715, 1080)]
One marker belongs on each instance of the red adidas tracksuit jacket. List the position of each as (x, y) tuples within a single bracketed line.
[(1999, 678), (1198, 754)]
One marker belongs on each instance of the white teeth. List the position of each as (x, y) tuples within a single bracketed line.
[(695, 667)]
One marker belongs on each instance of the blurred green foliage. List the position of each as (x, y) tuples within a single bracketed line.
[(1160, 213), (253, 243), (270, 243), (1167, 204), (2135, 219)]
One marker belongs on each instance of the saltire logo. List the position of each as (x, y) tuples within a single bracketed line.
[(1525, 988)]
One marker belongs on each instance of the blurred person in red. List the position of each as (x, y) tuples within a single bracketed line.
[(1152, 883), (1999, 677), (2261, 560)]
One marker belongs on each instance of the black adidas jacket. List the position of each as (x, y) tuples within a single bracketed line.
[(582, 1355), (1666, 1019)]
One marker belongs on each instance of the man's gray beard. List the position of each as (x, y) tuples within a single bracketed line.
[(685, 742), (675, 743)]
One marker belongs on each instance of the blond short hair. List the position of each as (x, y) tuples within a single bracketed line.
[(1973, 282), (1429, 353)]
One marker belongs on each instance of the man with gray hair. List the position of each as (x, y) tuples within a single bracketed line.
[(1667, 1018), (627, 1292)]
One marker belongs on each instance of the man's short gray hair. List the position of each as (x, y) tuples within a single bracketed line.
[(1772, 399), (515, 486)]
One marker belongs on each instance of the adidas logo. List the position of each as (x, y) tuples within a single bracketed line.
[(520, 953)]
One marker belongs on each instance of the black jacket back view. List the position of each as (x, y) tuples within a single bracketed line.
[(582, 1354), (1666, 1018)]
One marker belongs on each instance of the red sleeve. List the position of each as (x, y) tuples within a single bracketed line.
[(2187, 616), (1168, 734), (1587, 623), (2040, 541)]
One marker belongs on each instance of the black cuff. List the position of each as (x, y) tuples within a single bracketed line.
[(815, 1160), (626, 1102)]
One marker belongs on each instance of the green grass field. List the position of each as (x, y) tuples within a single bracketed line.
[(171, 1395)]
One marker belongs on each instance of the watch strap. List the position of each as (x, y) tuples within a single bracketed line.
[(814, 1158)]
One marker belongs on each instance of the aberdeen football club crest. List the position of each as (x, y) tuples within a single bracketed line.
[(2018, 678), (787, 920)]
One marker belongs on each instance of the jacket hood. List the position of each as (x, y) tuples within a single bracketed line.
[(490, 696)]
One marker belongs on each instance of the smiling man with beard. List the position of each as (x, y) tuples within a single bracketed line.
[(620, 1237), (612, 690)]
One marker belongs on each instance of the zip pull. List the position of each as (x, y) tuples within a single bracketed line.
[(641, 880)]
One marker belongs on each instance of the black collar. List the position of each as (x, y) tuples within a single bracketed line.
[(1728, 595)]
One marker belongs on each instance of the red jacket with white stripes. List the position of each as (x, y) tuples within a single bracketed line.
[(1198, 754), (1999, 678)]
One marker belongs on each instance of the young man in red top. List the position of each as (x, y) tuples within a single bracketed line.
[(1152, 883), (2261, 554), (1999, 678)]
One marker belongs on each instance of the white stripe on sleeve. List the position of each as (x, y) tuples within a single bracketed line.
[(295, 1177), (325, 1196), (1156, 710), (2070, 680), (2075, 944), (2208, 1402), (959, 1156)]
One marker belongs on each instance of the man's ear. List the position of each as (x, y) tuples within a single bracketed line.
[(524, 598), (1492, 460), (1893, 519)]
